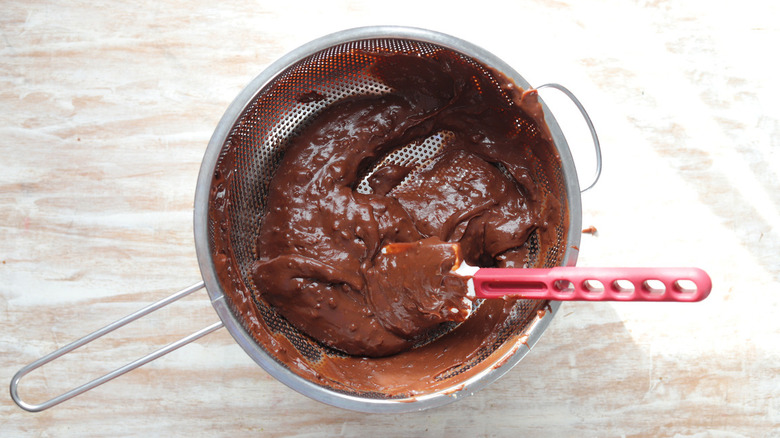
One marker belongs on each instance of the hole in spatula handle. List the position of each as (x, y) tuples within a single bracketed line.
[(624, 287), (655, 287), (685, 286), (593, 286), (563, 287)]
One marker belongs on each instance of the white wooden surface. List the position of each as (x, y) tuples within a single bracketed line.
[(105, 112)]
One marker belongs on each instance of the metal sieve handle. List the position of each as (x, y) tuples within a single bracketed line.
[(585, 115), (117, 372)]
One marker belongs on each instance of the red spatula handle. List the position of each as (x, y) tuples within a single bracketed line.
[(594, 284)]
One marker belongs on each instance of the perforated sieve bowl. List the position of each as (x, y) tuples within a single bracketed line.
[(258, 123), (230, 201)]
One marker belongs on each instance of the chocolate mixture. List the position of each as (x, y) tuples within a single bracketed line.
[(319, 259)]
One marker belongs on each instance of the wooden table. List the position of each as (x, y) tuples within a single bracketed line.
[(105, 112)]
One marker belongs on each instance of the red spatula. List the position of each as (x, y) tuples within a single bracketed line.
[(570, 283), (589, 284)]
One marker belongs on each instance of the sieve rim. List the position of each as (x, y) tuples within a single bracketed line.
[(205, 257)]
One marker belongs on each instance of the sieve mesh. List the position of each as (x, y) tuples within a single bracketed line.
[(258, 140)]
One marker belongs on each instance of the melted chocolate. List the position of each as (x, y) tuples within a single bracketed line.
[(319, 247)]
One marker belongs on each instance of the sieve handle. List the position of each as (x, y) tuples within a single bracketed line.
[(117, 372), (594, 284), (596, 144)]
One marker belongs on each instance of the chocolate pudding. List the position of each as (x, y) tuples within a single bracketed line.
[(319, 259)]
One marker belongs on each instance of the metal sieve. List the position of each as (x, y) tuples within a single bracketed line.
[(256, 129)]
